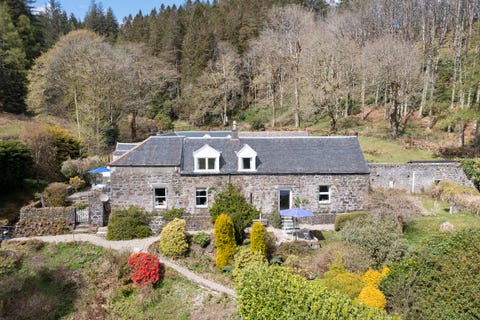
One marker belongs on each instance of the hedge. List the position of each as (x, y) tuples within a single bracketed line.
[(127, 224), (272, 292), (342, 219)]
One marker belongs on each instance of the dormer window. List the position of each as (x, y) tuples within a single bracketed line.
[(206, 159), (247, 159)]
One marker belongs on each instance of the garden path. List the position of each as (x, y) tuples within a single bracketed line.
[(135, 245)]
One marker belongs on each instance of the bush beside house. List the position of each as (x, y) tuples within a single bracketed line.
[(224, 234), (127, 224), (173, 239)]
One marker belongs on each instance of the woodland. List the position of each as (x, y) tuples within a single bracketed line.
[(271, 64)]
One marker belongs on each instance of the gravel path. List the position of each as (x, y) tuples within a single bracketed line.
[(135, 246)]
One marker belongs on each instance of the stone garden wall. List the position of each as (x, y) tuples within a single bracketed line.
[(415, 176), (36, 221)]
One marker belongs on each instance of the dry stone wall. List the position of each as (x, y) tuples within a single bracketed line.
[(135, 186), (415, 176)]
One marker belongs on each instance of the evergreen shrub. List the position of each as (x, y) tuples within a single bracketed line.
[(380, 237), (342, 219), (173, 238), (224, 234), (231, 202), (127, 224), (439, 280), (246, 257), (173, 213), (272, 292), (339, 279), (201, 238), (257, 239)]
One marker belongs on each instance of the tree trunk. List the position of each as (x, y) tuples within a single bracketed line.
[(461, 134), (133, 126), (362, 94), (77, 113)]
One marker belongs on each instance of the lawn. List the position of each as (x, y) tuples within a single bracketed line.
[(422, 227), (390, 151)]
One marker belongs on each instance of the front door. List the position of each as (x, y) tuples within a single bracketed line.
[(284, 199)]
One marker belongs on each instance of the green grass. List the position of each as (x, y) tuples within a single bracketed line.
[(80, 280), (422, 227), (389, 151)]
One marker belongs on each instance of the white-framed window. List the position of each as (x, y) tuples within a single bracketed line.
[(206, 159), (160, 197), (206, 163), (324, 194), (247, 159), (201, 197)]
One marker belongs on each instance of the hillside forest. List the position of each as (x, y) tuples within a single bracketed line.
[(267, 64)]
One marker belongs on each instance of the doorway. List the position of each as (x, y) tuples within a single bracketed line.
[(284, 199)]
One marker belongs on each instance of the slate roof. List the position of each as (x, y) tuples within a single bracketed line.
[(275, 155), (155, 151), (123, 148)]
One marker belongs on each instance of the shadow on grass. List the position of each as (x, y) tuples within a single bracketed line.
[(48, 294)]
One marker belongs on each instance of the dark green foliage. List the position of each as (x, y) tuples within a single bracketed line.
[(275, 293), (201, 238), (67, 146), (342, 219), (16, 162), (472, 170), (439, 281), (317, 234), (173, 213), (126, 224), (231, 202), (13, 63), (381, 237)]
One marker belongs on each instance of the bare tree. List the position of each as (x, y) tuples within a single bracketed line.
[(399, 65)]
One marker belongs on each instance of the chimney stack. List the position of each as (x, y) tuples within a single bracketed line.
[(234, 130)]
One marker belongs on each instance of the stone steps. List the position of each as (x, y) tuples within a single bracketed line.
[(82, 228), (102, 232)]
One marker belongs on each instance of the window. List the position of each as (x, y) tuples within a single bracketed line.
[(201, 199), (160, 197), (206, 159), (324, 194), (247, 163), (206, 163), (246, 158)]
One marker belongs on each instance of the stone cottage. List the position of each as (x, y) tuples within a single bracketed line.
[(185, 170)]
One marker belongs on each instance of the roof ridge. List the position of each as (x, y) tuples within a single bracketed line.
[(130, 151)]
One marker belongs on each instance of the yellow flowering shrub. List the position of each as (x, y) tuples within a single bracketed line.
[(372, 297), (372, 277)]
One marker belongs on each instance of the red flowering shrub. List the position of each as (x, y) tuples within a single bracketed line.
[(145, 268)]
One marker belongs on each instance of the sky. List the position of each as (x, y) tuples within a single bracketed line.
[(121, 8)]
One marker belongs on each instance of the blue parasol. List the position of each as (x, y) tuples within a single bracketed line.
[(99, 170)]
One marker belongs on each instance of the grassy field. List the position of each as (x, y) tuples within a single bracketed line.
[(388, 151), (423, 227), (82, 281)]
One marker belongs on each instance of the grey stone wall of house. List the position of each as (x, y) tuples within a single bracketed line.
[(135, 186), (51, 213), (416, 176)]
